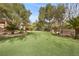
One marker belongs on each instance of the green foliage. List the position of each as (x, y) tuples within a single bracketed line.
[(41, 22), (12, 27), (48, 13), (42, 14), (74, 22), (59, 13), (15, 13), (45, 16)]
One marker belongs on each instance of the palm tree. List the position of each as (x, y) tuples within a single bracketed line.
[(74, 23)]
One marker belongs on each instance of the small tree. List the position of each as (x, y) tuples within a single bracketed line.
[(74, 23)]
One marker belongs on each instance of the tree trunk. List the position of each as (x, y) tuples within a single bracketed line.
[(49, 26), (76, 33), (12, 32), (60, 27)]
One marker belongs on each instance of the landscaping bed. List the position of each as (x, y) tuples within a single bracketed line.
[(8, 34)]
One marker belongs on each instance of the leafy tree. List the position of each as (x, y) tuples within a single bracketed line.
[(74, 23), (16, 13), (45, 16), (59, 15), (49, 15), (41, 22), (42, 13)]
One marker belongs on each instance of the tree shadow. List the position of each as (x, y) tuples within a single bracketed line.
[(30, 33), (3, 39)]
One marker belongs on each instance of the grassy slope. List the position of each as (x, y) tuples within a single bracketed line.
[(39, 43)]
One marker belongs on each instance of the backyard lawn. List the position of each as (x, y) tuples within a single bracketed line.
[(39, 44)]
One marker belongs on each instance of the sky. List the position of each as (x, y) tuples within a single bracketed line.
[(34, 8)]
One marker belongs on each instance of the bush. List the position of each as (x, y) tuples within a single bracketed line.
[(12, 27)]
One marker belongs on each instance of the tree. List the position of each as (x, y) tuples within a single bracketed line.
[(73, 17), (74, 23), (49, 15), (59, 15), (41, 22), (46, 16), (15, 13)]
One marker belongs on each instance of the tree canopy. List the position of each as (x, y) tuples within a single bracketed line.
[(15, 13)]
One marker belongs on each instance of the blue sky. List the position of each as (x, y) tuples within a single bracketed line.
[(34, 8)]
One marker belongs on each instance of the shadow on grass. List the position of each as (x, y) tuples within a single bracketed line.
[(21, 37), (30, 33), (12, 38)]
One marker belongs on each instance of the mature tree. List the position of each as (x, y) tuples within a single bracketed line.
[(41, 22), (46, 16), (49, 15), (15, 13), (59, 15)]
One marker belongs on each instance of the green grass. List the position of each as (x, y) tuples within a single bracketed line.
[(39, 43)]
